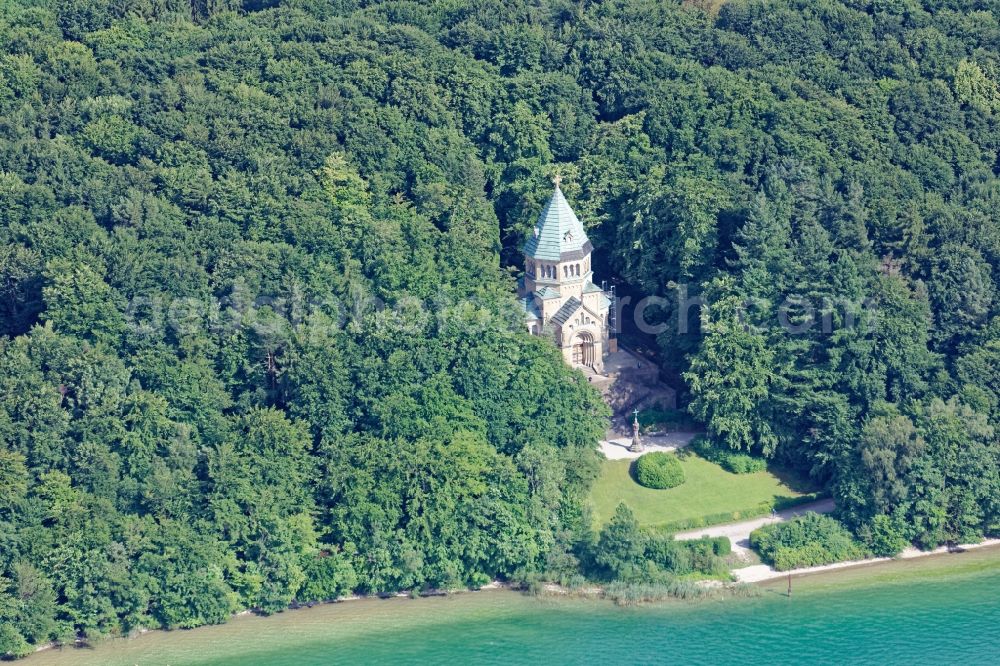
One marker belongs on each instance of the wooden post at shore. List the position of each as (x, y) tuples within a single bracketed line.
[(789, 586)]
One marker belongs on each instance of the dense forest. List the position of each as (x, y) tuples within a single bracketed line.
[(258, 335)]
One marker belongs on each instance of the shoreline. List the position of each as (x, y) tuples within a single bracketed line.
[(761, 573), (141, 631), (829, 577), (442, 629)]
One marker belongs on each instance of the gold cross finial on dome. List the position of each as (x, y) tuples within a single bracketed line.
[(557, 179)]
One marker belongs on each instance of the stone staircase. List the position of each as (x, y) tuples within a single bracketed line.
[(632, 382)]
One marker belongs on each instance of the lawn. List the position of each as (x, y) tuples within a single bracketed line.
[(708, 491)]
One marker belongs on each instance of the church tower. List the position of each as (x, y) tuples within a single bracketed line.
[(558, 292)]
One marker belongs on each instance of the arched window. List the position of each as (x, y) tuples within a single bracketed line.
[(578, 270)]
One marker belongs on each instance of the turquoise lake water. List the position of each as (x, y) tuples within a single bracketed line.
[(901, 614)]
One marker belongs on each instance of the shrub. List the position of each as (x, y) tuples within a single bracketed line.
[(732, 461), (574, 582), (741, 463), (885, 536), (659, 470), (666, 419), (806, 541), (625, 553), (12, 643), (327, 578), (670, 555), (722, 546), (761, 509), (704, 448)]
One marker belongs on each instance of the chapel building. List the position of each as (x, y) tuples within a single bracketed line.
[(558, 293)]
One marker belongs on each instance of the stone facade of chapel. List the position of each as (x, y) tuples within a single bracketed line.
[(558, 292)]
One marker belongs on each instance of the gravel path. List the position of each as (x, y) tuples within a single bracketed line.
[(617, 448), (762, 572), (739, 536), (739, 533)]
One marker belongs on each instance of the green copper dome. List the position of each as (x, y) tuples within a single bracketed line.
[(558, 236)]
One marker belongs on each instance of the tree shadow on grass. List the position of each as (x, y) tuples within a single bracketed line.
[(783, 502), (794, 480)]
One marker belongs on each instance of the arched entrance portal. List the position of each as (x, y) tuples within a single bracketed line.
[(583, 349)]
